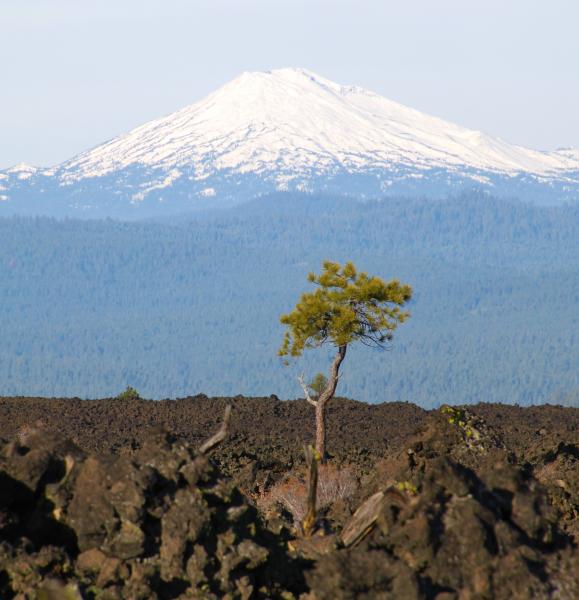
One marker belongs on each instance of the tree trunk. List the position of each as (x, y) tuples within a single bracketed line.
[(324, 398), (321, 430)]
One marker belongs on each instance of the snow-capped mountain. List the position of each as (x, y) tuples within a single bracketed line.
[(288, 129)]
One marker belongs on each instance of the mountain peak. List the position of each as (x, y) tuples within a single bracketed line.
[(289, 74), (22, 167), (293, 120), (291, 129)]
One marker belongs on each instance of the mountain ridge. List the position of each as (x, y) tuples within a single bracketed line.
[(290, 129)]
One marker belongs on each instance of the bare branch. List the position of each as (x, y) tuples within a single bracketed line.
[(218, 437), (364, 519), (306, 391), (309, 521)]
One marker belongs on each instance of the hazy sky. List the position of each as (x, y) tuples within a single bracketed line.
[(75, 73)]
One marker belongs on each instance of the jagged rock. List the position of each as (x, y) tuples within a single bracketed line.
[(458, 516), (161, 523), (489, 534)]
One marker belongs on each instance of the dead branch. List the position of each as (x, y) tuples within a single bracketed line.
[(306, 391), (364, 519), (218, 437), (310, 519)]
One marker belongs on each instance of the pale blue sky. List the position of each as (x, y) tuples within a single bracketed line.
[(74, 73)]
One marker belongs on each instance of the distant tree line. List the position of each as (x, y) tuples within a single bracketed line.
[(192, 305)]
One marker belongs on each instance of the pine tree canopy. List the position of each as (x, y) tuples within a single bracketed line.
[(347, 306)]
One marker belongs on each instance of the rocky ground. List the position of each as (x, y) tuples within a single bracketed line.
[(112, 499)]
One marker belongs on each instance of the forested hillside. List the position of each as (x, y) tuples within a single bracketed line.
[(176, 308)]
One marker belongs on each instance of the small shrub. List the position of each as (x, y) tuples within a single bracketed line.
[(407, 486), (291, 493), (129, 394), (335, 484), (318, 384), (459, 417)]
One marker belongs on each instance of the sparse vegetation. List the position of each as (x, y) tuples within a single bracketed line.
[(334, 484), (130, 393), (318, 384)]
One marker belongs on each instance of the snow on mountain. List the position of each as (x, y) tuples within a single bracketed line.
[(569, 153), (293, 120), (22, 171), (288, 129)]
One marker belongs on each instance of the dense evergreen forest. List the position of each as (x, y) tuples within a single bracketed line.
[(192, 305)]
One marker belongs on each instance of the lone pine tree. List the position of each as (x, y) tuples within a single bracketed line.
[(346, 307)]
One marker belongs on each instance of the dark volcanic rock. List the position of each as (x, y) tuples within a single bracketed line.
[(474, 525), (159, 524), (472, 504), (268, 429)]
